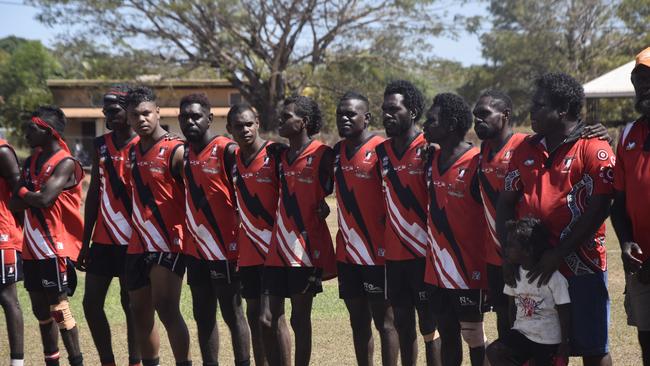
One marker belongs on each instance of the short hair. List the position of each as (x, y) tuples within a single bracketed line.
[(353, 95), (140, 94), (413, 98), (238, 109), (531, 234), (453, 106), (198, 98), (307, 107), (564, 92), (500, 99), (53, 116)]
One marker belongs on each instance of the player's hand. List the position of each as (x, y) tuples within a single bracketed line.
[(629, 254), (543, 270), (510, 274), (83, 259), (597, 130), (323, 210)]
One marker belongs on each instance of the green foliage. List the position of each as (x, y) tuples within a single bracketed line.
[(23, 76)]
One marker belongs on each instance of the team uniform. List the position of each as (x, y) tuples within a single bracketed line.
[(456, 262), (405, 195), (256, 189), (210, 215), (301, 251), (360, 251), (493, 166), (556, 187), (52, 235), (158, 214), (11, 235), (113, 228), (632, 176)]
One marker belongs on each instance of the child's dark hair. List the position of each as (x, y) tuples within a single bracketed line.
[(307, 107), (531, 234), (53, 116)]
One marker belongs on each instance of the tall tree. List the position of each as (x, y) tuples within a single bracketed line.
[(254, 43)]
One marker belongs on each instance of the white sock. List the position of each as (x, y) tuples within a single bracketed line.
[(15, 362)]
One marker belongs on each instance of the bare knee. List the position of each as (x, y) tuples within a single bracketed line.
[(9, 301), (472, 333)]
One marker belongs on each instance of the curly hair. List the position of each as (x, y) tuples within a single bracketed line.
[(238, 109), (198, 98), (564, 92), (530, 234), (53, 116), (500, 99), (139, 94), (413, 98), (454, 108), (307, 107)]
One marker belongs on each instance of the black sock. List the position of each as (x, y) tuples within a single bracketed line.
[(152, 362), (107, 360), (210, 363), (134, 361), (184, 363), (477, 356), (77, 360), (16, 356), (243, 363), (52, 359)]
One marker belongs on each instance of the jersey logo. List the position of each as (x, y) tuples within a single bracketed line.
[(310, 160), (162, 151), (602, 155), (566, 166), (368, 155), (529, 162), (507, 155), (267, 161), (418, 153), (630, 145), (461, 173), (4, 237)]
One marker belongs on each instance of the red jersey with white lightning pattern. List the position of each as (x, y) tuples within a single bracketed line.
[(257, 190), (157, 198), (300, 237), (556, 187), (210, 203), (405, 193), (113, 224), (53, 231), (493, 166), (360, 202), (456, 258), (11, 234)]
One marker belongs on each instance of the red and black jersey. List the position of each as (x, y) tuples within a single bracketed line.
[(632, 176), (157, 198), (257, 190), (300, 237), (405, 193), (11, 234), (210, 212), (360, 202), (493, 166), (53, 231), (456, 258), (113, 224), (556, 187)]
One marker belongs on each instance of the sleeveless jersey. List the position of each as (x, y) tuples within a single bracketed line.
[(256, 190), (360, 202), (405, 193), (157, 198), (113, 224), (300, 238), (491, 174), (11, 234), (210, 213), (456, 225), (54, 231)]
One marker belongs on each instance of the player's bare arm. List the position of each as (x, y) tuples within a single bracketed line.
[(90, 213), (61, 178), (623, 227)]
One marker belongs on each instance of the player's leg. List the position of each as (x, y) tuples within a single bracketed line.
[(502, 352), (232, 311), (251, 290), (131, 340), (351, 290), (47, 326), (142, 309), (60, 308), (14, 319), (301, 306), (644, 342), (468, 305), (432, 343), (204, 308), (382, 315), (498, 299), (401, 299), (277, 340), (166, 294), (93, 305)]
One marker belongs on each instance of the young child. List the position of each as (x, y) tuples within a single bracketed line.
[(541, 326)]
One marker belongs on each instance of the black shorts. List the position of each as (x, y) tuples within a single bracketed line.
[(53, 275), (288, 281), (405, 284), (107, 260), (219, 273), (251, 281), (11, 266), (139, 265), (357, 280), (523, 349), (467, 305), (496, 296)]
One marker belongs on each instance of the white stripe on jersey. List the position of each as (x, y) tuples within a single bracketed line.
[(353, 243), (411, 233), (34, 237), (490, 220), (446, 267), (148, 230), (260, 237), (202, 235), (116, 222), (291, 246)]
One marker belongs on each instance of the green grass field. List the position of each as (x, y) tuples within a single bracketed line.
[(332, 342)]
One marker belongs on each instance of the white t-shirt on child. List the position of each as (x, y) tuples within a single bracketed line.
[(537, 317)]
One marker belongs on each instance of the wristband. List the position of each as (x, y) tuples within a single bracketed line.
[(22, 192)]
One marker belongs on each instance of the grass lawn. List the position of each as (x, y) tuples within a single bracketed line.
[(332, 343)]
